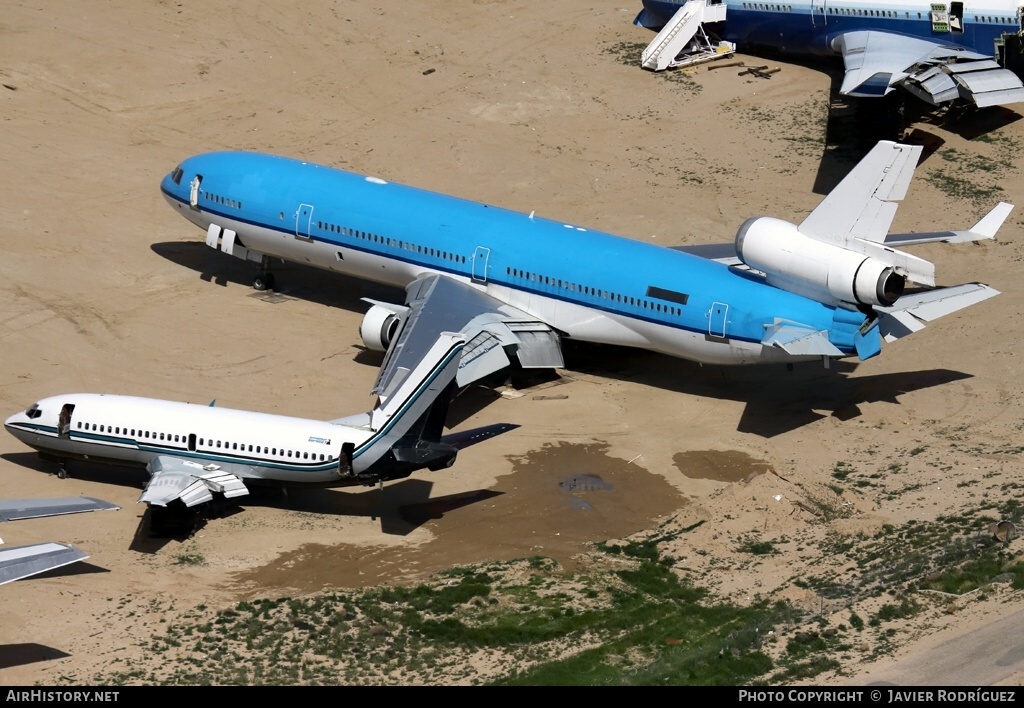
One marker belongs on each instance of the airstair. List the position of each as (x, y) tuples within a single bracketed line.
[(683, 41)]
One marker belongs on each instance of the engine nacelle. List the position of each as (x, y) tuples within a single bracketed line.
[(822, 271), (378, 328)]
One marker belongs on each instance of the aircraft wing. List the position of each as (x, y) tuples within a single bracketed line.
[(877, 61), (437, 303), (22, 561), (15, 509), (174, 478)]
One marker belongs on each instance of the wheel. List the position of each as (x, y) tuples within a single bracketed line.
[(263, 281), (62, 472)]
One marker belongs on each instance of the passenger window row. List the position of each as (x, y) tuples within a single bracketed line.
[(594, 292), (204, 443), (393, 242), (223, 200)]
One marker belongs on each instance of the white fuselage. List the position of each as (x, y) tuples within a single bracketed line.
[(133, 431)]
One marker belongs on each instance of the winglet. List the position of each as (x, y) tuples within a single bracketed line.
[(990, 223)]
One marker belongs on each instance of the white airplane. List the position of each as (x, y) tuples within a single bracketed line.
[(830, 287), (196, 453), (20, 562), (938, 51)]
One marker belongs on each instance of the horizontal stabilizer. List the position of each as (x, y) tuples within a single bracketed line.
[(24, 561), (800, 341), (15, 509), (915, 310), (465, 438), (984, 229)]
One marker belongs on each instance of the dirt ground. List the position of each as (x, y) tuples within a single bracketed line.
[(528, 106)]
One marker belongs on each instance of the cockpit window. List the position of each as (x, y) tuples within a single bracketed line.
[(176, 175), (34, 412)]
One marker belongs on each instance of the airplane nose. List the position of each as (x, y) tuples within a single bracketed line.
[(12, 420)]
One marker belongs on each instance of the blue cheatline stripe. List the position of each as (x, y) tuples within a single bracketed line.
[(411, 400), (633, 315)]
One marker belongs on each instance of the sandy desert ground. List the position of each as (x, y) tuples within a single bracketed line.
[(528, 106)]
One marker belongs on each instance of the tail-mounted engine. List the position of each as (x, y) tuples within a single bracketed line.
[(825, 272)]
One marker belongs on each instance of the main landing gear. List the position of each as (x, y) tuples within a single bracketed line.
[(264, 280)]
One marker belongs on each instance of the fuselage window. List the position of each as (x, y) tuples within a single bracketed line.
[(305, 456), (103, 429), (218, 443), (161, 436), (273, 451)]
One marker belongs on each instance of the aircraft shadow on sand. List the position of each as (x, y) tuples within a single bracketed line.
[(12, 655), (295, 280), (401, 507), (777, 400), (855, 125)]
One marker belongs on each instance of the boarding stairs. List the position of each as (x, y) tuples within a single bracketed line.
[(683, 41)]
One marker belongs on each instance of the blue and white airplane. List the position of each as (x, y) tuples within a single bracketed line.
[(938, 51), (831, 287)]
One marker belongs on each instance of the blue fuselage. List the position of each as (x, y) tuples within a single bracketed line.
[(583, 283), (803, 27)]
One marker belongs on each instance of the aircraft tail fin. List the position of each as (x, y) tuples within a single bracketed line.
[(408, 424)]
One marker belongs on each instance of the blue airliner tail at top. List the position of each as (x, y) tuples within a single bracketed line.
[(940, 52), (515, 285)]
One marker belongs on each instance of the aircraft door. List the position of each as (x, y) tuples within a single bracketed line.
[(718, 316), (303, 222), (193, 192), (64, 420), (480, 258), (956, 17), (819, 13)]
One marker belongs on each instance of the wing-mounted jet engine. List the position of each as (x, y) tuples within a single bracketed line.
[(380, 324)]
